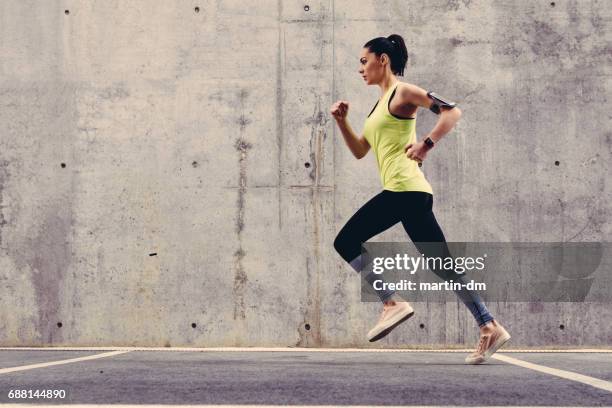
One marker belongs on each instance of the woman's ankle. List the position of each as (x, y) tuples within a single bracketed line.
[(487, 328)]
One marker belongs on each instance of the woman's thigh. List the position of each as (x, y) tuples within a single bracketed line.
[(426, 234), (375, 216), (418, 218)]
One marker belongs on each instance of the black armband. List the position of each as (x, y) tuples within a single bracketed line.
[(438, 102)]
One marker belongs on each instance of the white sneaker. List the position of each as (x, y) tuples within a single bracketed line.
[(488, 344), (394, 313)]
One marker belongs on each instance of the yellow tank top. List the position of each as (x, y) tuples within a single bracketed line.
[(387, 135)]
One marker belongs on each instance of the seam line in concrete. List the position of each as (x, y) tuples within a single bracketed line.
[(568, 375), (59, 362)]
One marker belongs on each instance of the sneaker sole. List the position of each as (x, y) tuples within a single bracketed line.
[(498, 344), (390, 328)]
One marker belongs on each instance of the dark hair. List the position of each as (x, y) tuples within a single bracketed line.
[(394, 47)]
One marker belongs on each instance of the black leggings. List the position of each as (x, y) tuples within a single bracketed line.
[(414, 210), (384, 210)]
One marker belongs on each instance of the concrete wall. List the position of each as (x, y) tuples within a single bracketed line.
[(173, 177)]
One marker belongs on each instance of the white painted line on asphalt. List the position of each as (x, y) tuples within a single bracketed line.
[(68, 361), (568, 375), (304, 349)]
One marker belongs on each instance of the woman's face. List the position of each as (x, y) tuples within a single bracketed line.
[(371, 68)]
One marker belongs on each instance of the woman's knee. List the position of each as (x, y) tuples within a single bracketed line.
[(346, 247), (340, 243)]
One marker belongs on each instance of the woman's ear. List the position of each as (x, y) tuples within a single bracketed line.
[(384, 59)]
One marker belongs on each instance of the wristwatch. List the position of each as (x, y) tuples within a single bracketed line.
[(430, 143)]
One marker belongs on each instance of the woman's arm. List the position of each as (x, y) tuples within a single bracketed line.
[(359, 146), (415, 95)]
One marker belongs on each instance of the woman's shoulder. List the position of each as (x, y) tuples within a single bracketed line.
[(412, 94), (408, 86)]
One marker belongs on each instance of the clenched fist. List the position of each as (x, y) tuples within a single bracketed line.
[(339, 110)]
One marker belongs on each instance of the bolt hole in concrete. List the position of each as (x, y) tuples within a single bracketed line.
[(552, 4), (66, 12), (422, 326), (63, 165), (307, 165), (59, 324), (561, 326), (307, 326), (194, 164), (193, 325), (306, 8), (197, 9), (556, 162)]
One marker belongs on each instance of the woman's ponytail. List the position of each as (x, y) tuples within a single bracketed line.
[(399, 63), (394, 47)]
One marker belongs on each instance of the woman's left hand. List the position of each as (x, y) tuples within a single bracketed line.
[(416, 151)]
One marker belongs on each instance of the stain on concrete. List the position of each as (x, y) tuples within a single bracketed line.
[(316, 156), (4, 175), (318, 122), (240, 281), (309, 331), (544, 41), (456, 41), (114, 93), (562, 206), (312, 316), (536, 307), (48, 255), (455, 5), (242, 120), (279, 112), (242, 147), (461, 42), (598, 23)]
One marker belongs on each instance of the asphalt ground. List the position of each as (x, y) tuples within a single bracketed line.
[(304, 377)]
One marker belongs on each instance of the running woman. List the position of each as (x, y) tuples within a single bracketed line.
[(407, 196)]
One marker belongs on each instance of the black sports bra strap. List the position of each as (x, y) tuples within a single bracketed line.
[(389, 107), (373, 108)]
